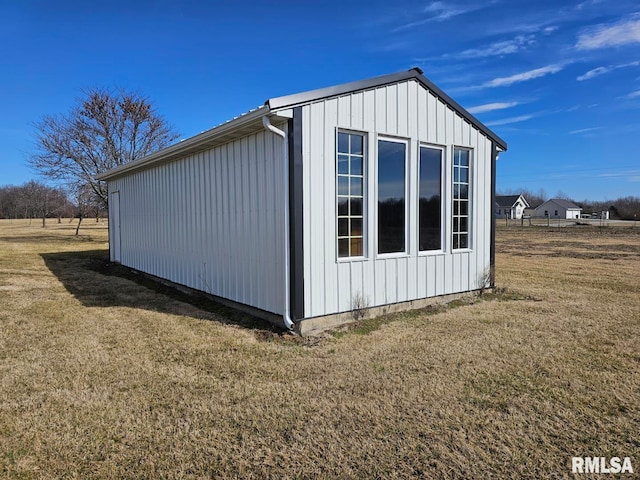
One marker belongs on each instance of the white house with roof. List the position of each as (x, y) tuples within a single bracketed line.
[(558, 208), (510, 206), (378, 192)]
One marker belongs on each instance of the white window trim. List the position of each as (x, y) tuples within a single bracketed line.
[(470, 212), (443, 201), (407, 142), (365, 190)]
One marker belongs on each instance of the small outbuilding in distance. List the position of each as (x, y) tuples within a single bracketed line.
[(558, 208), (376, 194), (510, 206)]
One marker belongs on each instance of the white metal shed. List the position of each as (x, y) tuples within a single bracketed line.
[(378, 193)]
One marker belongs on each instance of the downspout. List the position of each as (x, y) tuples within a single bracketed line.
[(286, 316)]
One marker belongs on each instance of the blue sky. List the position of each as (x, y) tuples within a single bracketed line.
[(559, 81)]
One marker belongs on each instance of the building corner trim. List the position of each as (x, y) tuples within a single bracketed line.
[(296, 217)]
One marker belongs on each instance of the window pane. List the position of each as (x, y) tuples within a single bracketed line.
[(356, 166), (356, 144), (391, 196), (464, 175), (464, 241), (356, 186), (343, 206), (356, 207), (343, 227), (343, 247), (464, 208), (343, 164), (356, 227), (463, 224), (343, 143), (462, 157), (356, 247), (343, 185), (430, 206)]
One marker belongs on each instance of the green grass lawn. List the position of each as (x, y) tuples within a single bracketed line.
[(105, 376)]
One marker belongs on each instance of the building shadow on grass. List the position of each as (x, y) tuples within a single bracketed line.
[(93, 280)]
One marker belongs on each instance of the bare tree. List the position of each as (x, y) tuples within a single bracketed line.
[(86, 201), (103, 131)]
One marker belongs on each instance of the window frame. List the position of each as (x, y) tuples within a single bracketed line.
[(364, 196), (469, 216), (443, 199), (407, 164)]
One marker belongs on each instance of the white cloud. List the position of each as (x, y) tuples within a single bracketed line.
[(593, 73), (499, 48), (627, 173), (584, 130), (587, 3), (444, 11), (635, 94), (549, 30), (439, 12), (523, 77), (613, 35), (602, 70), (490, 107), (506, 121)]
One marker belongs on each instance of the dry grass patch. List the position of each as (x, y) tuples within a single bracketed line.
[(102, 376)]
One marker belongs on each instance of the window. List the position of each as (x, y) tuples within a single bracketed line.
[(430, 199), (556, 214), (461, 207), (350, 193), (391, 196)]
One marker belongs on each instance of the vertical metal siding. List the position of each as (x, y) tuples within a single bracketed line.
[(409, 111), (211, 221)]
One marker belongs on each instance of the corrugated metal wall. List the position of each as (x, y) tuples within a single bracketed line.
[(212, 221), (408, 111)]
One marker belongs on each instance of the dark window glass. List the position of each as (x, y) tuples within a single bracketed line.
[(430, 207), (343, 206), (391, 196)]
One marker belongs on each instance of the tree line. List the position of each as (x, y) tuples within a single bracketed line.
[(35, 199), (623, 208)]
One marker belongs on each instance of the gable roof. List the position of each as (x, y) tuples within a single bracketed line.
[(251, 121), (567, 204), (509, 200), (415, 73)]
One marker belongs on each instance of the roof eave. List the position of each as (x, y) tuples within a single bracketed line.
[(188, 146)]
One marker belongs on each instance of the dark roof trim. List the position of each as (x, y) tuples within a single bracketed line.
[(415, 73)]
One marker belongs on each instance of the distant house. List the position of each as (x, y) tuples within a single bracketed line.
[(377, 192), (558, 208), (510, 206)]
